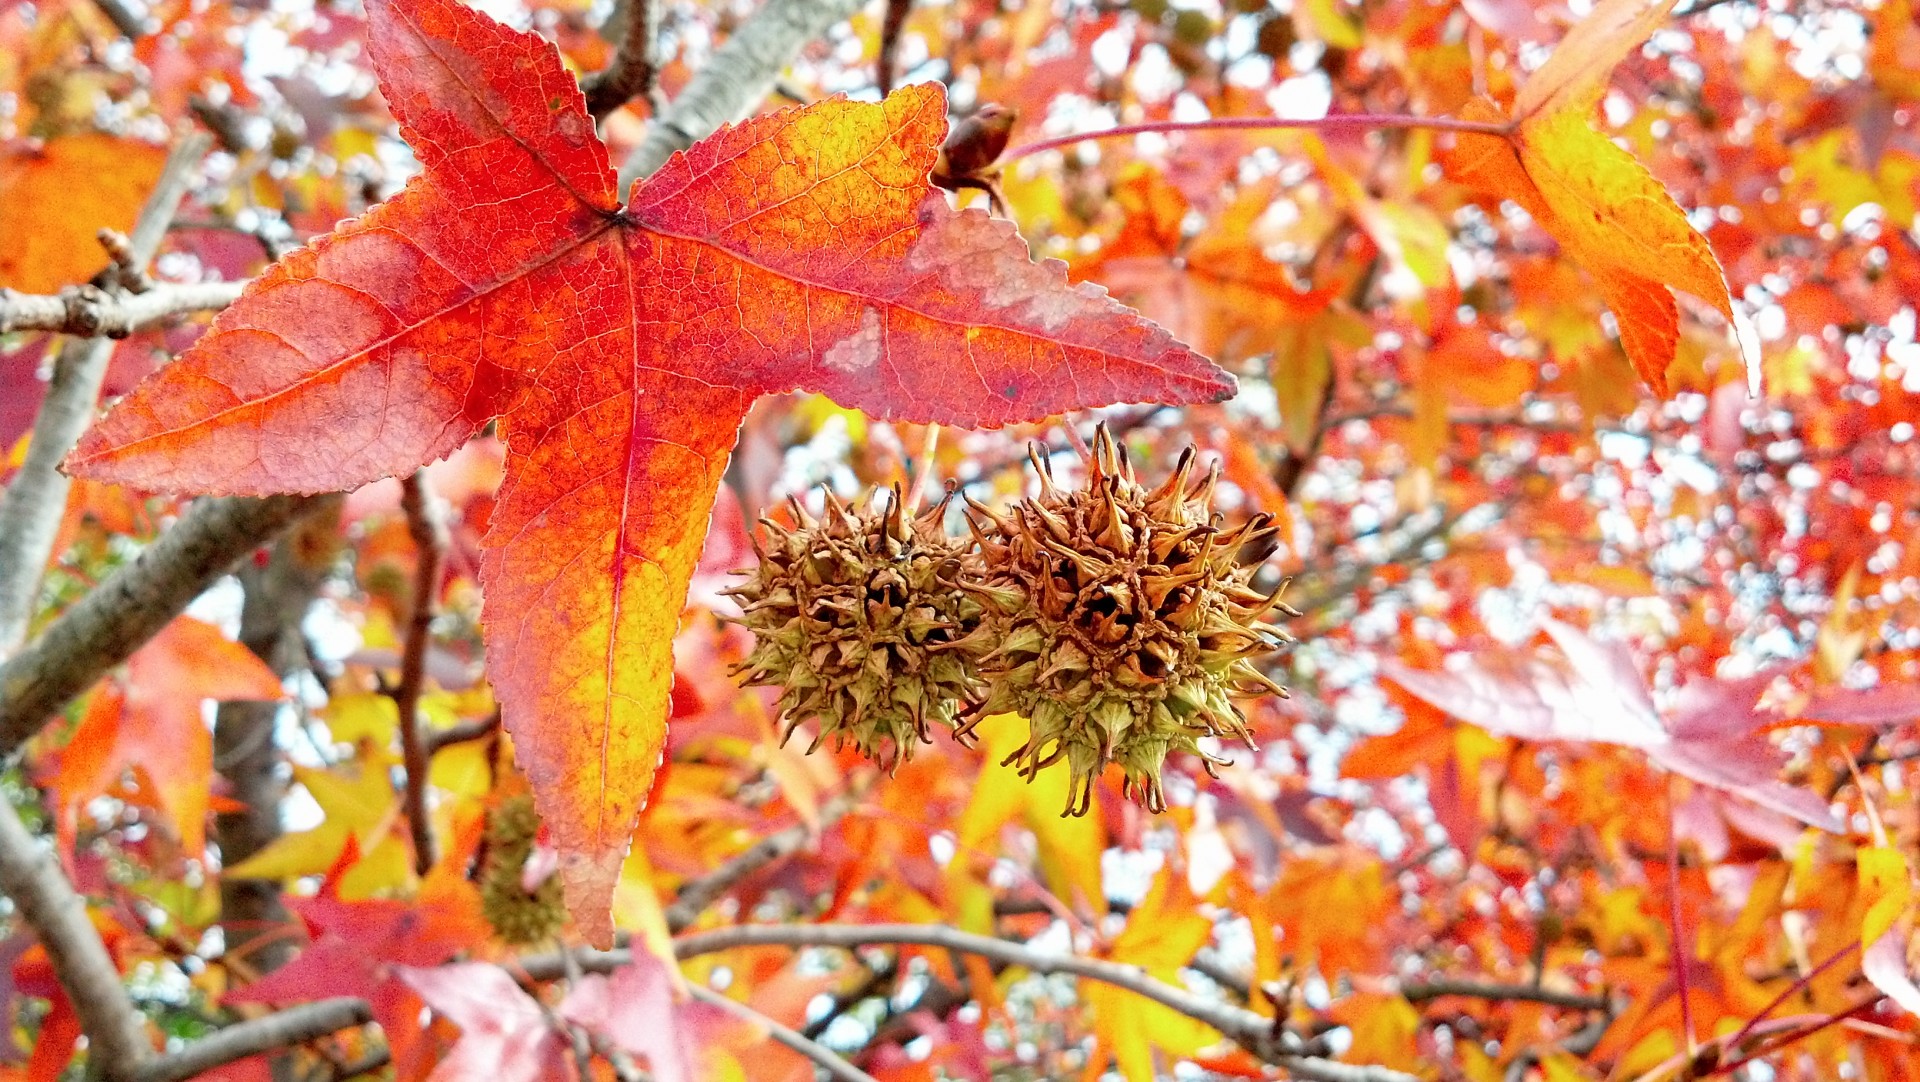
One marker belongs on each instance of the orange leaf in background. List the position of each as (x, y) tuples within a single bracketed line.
[(621, 348), (89, 182), (1604, 208), (154, 725)]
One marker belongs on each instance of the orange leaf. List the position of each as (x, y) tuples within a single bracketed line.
[(69, 189), (1602, 205), (620, 346)]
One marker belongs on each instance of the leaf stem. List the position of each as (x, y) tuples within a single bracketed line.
[(428, 529), (1673, 911), (1331, 122)]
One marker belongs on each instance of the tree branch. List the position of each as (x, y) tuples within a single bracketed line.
[(428, 529), (282, 1029), (36, 500), (102, 629), (821, 1056), (631, 71), (90, 312), (1254, 1032), (116, 1033), (740, 74), (1421, 991), (698, 893)]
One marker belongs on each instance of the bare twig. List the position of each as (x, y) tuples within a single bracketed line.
[(1422, 991), (738, 77), (699, 893), (116, 1034), (463, 732), (282, 1029), (117, 617), (130, 19), (428, 528), (90, 312), (821, 1056), (891, 27), (36, 500), (631, 71)]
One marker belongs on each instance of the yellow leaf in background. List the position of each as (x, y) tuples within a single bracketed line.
[(1841, 638), (362, 716), (358, 802), (1070, 847), (1886, 884), (464, 769), (1163, 933), (1384, 1029), (636, 909)]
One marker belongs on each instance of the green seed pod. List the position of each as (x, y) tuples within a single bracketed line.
[(1121, 622), (863, 621), (517, 917)]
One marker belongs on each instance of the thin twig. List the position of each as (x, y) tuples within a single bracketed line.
[(114, 619), (463, 732), (130, 19), (631, 73), (285, 1028), (892, 24), (46, 902), (822, 1057), (36, 500), (702, 891), (91, 312), (428, 528), (1680, 975), (1421, 991)]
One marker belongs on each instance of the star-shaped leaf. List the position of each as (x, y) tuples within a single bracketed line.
[(620, 348), (1604, 208)]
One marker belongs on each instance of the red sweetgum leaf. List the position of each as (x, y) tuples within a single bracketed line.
[(620, 348)]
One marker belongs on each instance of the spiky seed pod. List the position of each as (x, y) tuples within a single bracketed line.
[(1122, 622), (518, 917), (861, 618)]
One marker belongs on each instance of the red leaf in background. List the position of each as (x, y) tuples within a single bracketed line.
[(505, 1036), (621, 348), (358, 947), (154, 725), (1595, 693)]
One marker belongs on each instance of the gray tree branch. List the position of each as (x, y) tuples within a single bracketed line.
[(116, 1033), (91, 312), (824, 1058), (282, 1029), (1252, 1031), (105, 627), (735, 81), (36, 500)]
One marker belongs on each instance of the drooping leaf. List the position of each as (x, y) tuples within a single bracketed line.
[(621, 348)]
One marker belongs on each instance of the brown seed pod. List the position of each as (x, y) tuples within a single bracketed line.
[(1121, 622), (862, 619)]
